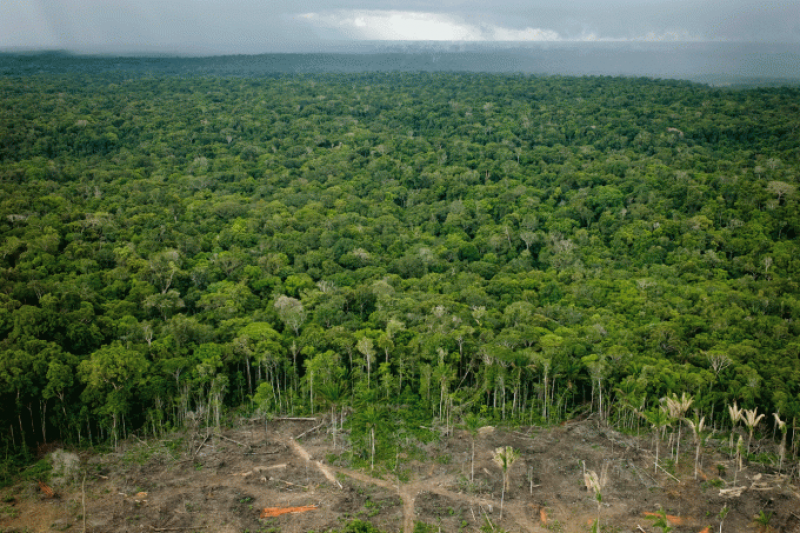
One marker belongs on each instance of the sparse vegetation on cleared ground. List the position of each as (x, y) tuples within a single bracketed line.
[(264, 483)]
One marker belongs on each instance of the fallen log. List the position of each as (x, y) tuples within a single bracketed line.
[(303, 434), (201, 445), (233, 441), (47, 491), (270, 512)]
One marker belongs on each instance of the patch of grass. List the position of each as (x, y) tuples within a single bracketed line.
[(711, 483), (139, 454), (422, 527), (762, 520), (357, 526), (768, 459), (404, 475), (488, 527), (174, 446), (479, 486), (40, 470), (12, 465), (269, 525), (555, 526), (660, 521), (374, 508), (9, 511)]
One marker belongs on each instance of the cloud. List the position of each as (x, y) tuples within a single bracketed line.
[(649, 37), (498, 33), (29, 25), (419, 26), (392, 25), (395, 25)]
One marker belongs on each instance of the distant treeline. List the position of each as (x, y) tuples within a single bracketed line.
[(718, 64)]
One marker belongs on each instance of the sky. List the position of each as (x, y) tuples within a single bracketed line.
[(209, 27)]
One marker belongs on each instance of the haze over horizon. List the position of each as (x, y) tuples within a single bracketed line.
[(212, 27)]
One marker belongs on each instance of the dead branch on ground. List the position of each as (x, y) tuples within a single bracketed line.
[(201, 444), (303, 434)]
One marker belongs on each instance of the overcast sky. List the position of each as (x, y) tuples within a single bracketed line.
[(259, 26)]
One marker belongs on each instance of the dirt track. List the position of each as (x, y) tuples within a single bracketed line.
[(409, 491), (223, 484)]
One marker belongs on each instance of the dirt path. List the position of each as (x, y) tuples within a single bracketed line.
[(303, 453), (409, 491)]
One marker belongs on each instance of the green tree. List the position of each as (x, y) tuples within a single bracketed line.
[(114, 372), (504, 457)]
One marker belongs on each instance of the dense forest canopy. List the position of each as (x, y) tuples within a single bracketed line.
[(517, 246)]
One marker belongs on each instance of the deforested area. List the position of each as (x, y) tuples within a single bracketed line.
[(424, 301)]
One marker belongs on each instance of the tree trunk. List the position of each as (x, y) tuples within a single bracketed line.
[(333, 422), (600, 394), (544, 406), (33, 426), (472, 468), (249, 380), (372, 438), (502, 496), (658, 440), (114, 416), (43, 413)]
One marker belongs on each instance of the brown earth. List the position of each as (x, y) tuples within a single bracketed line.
[(197, 484)]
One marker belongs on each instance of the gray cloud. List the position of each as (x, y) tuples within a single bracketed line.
[(253, 26)]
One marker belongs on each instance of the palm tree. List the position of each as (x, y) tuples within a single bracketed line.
[(736, 415), (751, 419), (697, 428), (782, 450), (658, 418), (596, 483), (504, 457), (677, 409)]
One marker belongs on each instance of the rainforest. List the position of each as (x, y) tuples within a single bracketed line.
[(412, 248)]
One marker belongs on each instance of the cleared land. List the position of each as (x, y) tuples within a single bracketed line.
[(226, 484)]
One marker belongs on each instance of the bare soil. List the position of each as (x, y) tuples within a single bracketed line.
[(222, 484)]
